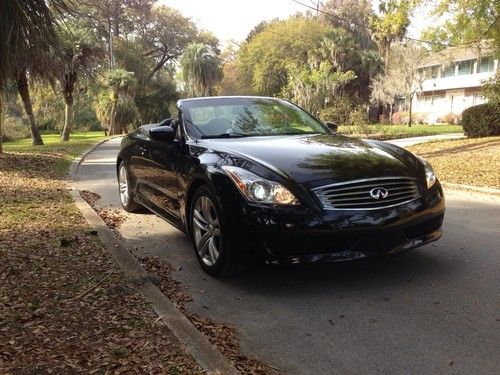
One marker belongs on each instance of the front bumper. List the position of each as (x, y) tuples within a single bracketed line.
[(286, 235)]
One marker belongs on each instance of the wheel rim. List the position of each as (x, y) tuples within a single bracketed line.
[(123, 185), (206, 230)]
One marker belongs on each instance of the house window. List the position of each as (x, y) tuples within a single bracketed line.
[(429, 72), (465, 67), (478, 98), (434, 71), (449, 70), (485, 65)]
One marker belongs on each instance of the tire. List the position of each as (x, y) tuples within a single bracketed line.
[(126, 196), (208, 230)]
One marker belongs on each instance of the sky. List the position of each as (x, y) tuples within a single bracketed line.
[(234, 19)]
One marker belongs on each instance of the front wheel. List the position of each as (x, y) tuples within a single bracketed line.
[(126, 196), (211, 242)]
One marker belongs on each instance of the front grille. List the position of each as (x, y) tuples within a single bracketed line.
[(357, 194)]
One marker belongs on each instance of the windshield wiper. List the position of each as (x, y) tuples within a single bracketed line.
[(226, 135)]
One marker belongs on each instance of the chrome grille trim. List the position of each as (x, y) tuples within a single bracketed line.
[(355, 194)]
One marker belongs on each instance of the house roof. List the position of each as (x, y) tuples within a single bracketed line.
[(458, 53)]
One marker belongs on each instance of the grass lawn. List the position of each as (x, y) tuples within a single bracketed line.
[(65, 307), (384, 132), (52, 143), (60, 153), (464, 161)]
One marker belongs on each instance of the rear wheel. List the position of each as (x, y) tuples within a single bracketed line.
[(126, 196), (211, 242)]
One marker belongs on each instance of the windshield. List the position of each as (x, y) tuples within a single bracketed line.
[(227, 117)]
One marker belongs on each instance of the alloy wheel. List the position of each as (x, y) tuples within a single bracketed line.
[(206, 231), (123, 186)]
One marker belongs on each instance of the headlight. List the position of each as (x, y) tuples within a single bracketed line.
[(430, 176), (257, 189)]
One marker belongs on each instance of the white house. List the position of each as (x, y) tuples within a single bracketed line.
[(452, 82)]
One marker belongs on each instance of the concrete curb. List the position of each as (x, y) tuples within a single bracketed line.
[(473, 189), (196, 343)]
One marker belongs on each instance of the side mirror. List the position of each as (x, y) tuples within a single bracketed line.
[(334, 128), (162, 134)]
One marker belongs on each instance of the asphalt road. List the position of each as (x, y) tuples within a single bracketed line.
[(434, 310)]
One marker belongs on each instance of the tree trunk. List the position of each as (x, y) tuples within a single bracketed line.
[(112, 119), (410, 107), (391, 110), (1, 122), (24, 92), (68, 118)]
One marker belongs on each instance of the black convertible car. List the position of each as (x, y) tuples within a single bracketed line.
[(254, 176)]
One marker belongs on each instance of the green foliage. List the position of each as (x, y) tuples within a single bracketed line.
[(491, 90), (126, 111), (27, 32), (153, 94), (263, 62), (391, 23), (201, 69), (338, 111), (48, 106), (468, 22), (481, 120), (119, 82), (153, 101), (350, 15), (278, 48), (14, 128), (310, 87)]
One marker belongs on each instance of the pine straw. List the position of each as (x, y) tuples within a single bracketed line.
[(464, 161), (65, 307)]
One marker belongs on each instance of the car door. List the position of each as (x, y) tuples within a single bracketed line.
[(161, 176)]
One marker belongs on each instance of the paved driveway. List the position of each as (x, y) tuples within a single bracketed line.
[(434, 310)]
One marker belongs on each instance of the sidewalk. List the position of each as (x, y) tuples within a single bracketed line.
[(406, 142)]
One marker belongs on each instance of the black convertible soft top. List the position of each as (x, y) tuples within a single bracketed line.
[(146, 128)]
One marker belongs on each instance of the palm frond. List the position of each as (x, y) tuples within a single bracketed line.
[(27, 30)]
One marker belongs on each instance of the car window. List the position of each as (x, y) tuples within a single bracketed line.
[(249, 116)]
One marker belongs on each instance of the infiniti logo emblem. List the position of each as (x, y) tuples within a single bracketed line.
[(379, 193)]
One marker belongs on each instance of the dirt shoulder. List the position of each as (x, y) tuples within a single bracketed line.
[(64, 305), (474, 162)]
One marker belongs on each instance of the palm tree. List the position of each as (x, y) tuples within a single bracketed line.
[(27, 31), (79, 55), (201, 69), (120, 83)]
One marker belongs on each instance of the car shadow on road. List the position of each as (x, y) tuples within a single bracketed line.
[(415, 266), (410, 267)]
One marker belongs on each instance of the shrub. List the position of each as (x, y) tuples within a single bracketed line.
[(397, 117), (338, 111), (481, 120), (450, 118), (358, 119), (14, 128)]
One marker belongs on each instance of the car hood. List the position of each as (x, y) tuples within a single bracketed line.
[(321, 158)]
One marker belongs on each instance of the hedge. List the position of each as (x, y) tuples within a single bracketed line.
[(481, 120)]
